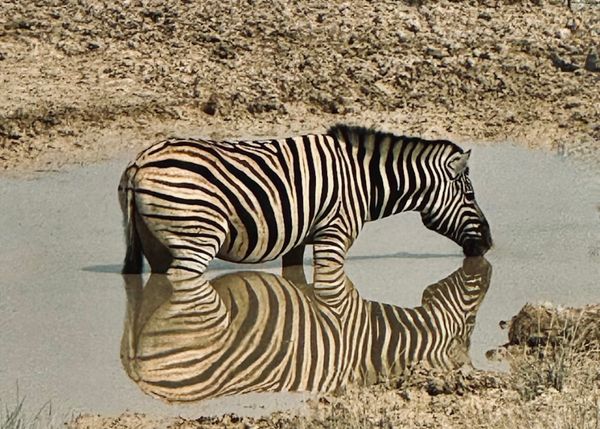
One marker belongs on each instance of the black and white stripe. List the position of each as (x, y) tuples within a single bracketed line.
[(246, 332), (189, 201)]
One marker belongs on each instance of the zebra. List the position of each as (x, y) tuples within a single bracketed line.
[(190, 339), (187, 201)]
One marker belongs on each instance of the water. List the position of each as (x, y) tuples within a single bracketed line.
[(63, 303)]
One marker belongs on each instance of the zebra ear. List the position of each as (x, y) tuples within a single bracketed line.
[(458, 163)]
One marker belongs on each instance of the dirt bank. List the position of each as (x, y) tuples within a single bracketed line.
[(86, 80), (553, 383), (526, 398)]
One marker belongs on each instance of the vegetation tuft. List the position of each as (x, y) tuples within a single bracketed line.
[(16, 416)]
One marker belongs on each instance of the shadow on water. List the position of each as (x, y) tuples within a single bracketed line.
[(217, 264), (106, 269), (188, 340)]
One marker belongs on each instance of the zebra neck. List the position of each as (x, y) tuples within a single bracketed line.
[(388, 176)]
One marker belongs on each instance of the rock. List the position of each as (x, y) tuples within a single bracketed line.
[(405, 394), (572, 24), (592, 61), (485, 16), (572, 103), (211, 105), (413, 25), (536, 326), (562, 34), (402, 37), (562, 64), (434, 52), (435, 387)]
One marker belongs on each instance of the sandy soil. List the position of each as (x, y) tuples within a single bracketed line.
[(87, 80)]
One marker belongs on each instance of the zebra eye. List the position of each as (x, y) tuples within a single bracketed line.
[(470, 196)]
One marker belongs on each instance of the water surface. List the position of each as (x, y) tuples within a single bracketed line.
[(63, 303)]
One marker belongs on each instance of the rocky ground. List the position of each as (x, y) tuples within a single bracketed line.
[(89, 79)]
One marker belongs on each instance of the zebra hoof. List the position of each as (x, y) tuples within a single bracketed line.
[(475, 248)]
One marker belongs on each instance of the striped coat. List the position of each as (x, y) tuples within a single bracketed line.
[(186, 202)]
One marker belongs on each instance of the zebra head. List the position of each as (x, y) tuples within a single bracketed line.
[(452, 210)]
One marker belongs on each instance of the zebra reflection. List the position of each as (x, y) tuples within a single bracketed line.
[(247, 332)]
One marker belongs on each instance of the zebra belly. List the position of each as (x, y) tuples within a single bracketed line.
[(266, 244)]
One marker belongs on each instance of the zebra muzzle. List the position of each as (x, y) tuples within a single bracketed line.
[(479, 245)]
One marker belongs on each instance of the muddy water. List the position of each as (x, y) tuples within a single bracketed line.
[(63, 303)]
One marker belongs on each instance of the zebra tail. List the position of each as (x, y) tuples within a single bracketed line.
[(133, 263), (129, 340)]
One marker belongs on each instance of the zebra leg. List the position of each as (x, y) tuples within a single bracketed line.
[(293, 265), (330, 284), (191, 255), (133, 262), (183, 248)]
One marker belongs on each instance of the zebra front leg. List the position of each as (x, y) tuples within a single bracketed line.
[(293, 265), (329, 277)]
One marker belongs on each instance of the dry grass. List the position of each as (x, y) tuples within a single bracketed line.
[(15, 415), (560, 391)]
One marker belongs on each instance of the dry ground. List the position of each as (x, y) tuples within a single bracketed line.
[(89, 79)]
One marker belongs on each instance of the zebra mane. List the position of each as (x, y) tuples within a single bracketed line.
[(354, 134)]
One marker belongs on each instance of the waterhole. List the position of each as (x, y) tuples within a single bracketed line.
[(64, 306)]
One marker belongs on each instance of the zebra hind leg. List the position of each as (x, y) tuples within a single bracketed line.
[(173, 248), (293, 265), (133, 262)]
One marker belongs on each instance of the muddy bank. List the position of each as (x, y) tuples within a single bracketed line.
[(462, 399), (85, 80), (543, 389)]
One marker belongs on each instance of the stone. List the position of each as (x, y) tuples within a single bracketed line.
[(562, 34), (211, 106), (592, 61), (562, 64), (572, 24), (435, 53), (413, 25)]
